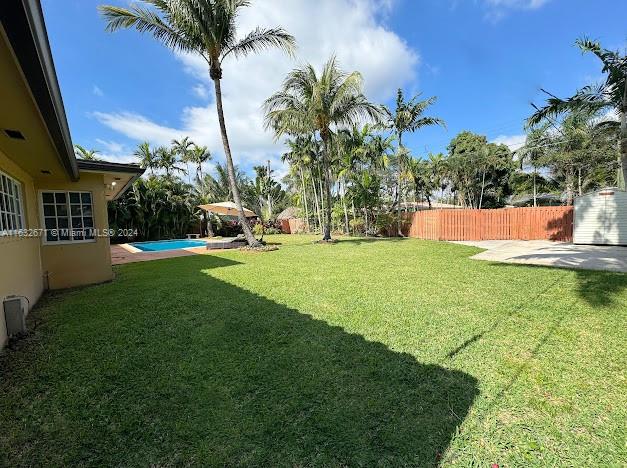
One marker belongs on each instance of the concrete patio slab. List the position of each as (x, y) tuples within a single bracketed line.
[(554, 254)]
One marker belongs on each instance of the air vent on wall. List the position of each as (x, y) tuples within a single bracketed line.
[(15, 134)]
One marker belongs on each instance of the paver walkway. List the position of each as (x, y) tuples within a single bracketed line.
[(120, 255), (556, 254)]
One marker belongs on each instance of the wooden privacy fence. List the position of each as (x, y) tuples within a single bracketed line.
[(550, 223)]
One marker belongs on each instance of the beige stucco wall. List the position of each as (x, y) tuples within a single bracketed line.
[(76, 264), (26, 261), (20, 259)]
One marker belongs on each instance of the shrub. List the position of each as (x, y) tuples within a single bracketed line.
[(357, 225), (269, 227)]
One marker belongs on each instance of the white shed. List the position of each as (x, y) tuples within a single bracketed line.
[(601, 218)]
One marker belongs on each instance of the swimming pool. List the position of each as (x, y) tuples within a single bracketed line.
[(156, 246)]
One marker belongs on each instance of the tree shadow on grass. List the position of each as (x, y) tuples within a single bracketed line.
[(194, 370)]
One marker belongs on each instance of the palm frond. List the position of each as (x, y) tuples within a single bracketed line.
[(588, 99), (260, 39), (144, 20)]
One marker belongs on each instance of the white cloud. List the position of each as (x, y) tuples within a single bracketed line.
[(514, 142), (201, 91), (97, 91), (111, 146), (517, 4), (350, 29), (498, 9)]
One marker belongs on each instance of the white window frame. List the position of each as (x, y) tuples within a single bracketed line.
[(19, 199), (44, 237)]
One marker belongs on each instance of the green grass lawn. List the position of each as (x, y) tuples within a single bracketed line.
[(390, 352)]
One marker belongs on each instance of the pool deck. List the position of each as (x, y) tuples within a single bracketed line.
[(126, 253)]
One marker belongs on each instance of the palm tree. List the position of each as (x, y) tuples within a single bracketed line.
[(536, 144), (299, 158), (407, 117), (308, 103), (147, 158), (182, 148), (167, 159), (199, 155), (609, 95), (208, 28), (83, 153)]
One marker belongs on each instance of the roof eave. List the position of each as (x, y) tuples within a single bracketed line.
[(24, 25)]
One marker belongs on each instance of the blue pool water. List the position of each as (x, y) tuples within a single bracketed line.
[(156, 246)]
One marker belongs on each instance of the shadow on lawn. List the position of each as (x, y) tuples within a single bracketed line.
[(195, 370)]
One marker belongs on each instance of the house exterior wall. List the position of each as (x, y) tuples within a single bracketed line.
[(28, 264), (20, 260), (76, 264)]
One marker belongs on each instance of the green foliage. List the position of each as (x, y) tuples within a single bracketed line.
[(258, 229), (206, 28), (159, 207), (310, 104), (357, 226), (85, 154), (479, 171), (579, 153), (386, 223), (610, 95)]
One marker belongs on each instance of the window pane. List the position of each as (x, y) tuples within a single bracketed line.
[(75, 197), (86, 198), (51, 223), (89, 234), (60, 197), (88, 221), (78, 235), (77, 223), (3, 203), (61, 210), (87, 210), (49, 210), (63, 223), (48, 197), (75, 210)]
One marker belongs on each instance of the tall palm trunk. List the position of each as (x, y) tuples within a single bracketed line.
[(327, 186), (302, 183), (482, 189), (353, 209), (399, 232), (535, 189), (208, 222), (622, 176), (250, 238), (315, 194), (570, 185), (346, 225)]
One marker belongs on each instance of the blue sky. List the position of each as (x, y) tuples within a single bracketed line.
[(485, 60)]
